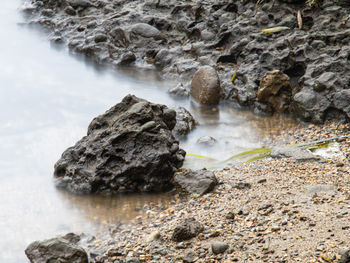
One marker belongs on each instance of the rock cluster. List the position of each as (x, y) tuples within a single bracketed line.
[(178, 38), (130, 148)]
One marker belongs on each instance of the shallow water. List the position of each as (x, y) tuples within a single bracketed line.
[(48, 98)]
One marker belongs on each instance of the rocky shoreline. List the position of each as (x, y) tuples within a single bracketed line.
[(179, 37), (272, 210)]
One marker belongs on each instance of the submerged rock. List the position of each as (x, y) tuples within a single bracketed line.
[(130, 148), (205, 86), (195, 182), (179, 91), (59, 249), (207, 141)]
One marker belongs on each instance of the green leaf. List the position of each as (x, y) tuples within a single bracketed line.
[(201, 156)]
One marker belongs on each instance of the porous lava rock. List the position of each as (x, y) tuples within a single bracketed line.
[(59, 249), (129, 148)]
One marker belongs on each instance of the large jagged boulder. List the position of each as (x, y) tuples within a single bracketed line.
[(130, 148), (59, 249)]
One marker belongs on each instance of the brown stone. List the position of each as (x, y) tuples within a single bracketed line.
[(274, 90), (205, 86)]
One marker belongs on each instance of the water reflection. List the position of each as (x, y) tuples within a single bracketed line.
[(235, 131), (114, 209)]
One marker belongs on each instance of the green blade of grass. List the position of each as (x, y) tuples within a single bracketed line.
[(201, 156), (261, 156), (318, 146), (258, 150)]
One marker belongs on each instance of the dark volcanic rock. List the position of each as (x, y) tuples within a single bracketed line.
[(184, 122), (195, 182), (178, 37), (310, 106), (205, 86), (128, 148), (80, 3), (60, 249), (188, 229)]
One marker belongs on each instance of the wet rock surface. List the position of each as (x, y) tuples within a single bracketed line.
[(184, 123), (205, 86), (195, 182), (207, 141), (130, 148), (60, 249), (178, 38)]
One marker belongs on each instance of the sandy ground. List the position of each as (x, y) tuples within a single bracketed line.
[(271, 210)]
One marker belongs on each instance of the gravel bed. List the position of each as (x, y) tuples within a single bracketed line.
[(271, 210)]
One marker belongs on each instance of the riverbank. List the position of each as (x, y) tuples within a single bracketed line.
[(272, 210), (178, 37)]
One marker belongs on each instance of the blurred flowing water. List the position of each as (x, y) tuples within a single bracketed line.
[(48, 98)]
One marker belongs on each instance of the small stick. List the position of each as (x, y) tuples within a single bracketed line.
[(300, 20)]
